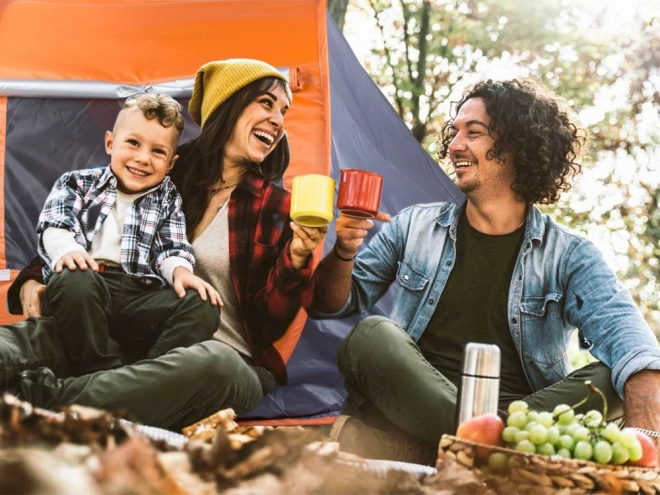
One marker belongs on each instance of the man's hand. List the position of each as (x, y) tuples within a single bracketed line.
[(76, 259), (352, 231), (31, 292), (184, 279), (334, 274), (642, 403), (305, 240)]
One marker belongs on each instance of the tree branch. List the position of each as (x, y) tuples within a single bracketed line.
[(388, 55), (422, 42), (419, 125), (337, 9), (406, 38)]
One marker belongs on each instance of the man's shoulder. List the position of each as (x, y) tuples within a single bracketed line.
[(554, 229), (428, 211), (559, 238)]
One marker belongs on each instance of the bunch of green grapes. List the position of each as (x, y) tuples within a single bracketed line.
[(566, 434)]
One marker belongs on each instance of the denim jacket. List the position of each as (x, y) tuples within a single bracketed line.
[(560, 282)]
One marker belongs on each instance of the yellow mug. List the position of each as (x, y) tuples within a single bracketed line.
[(312, 200)]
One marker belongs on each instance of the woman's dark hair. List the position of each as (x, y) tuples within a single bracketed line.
[(200, 164), (526, 121)]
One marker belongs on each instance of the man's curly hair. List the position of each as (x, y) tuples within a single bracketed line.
[(527, 122)]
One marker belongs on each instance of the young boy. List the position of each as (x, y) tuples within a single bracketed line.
[(114, 238)]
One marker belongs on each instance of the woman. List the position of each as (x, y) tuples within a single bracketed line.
[(245, 245)]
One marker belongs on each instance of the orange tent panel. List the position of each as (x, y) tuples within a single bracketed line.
[(150, 40), (139, 43)]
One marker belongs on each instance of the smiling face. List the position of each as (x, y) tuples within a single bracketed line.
[(469, 148), (141, 151), (258, 129)]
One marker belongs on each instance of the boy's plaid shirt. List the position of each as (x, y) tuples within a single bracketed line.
[(154, 227)]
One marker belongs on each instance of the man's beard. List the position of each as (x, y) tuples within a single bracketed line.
[(466, 187)]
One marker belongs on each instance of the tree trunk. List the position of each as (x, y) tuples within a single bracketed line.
[(337, 10)]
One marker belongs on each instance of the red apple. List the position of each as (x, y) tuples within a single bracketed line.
[(485, 429), (649, 452)]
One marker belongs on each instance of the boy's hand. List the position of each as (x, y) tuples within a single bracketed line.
[(305, 240), (31, 292), (75, 259), (184, 279)]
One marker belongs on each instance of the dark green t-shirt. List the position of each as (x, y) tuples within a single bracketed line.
[(473, 307)]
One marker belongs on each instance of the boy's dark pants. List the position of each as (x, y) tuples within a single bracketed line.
[(94, 310), (392, 387)]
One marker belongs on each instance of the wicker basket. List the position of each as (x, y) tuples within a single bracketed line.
[(542, 474)]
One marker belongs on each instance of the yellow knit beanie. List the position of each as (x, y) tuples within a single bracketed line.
[(217, 81)]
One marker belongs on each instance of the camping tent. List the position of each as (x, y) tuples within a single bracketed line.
[(66, 65)]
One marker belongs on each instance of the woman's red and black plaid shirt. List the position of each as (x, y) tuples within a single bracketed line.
[(269, 290)]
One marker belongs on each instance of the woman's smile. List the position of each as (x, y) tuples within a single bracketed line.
[(259, 127)]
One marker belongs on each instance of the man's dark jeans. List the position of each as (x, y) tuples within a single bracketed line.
[(392, 387)]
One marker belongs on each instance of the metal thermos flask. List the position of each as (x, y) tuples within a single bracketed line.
[(480, 381)]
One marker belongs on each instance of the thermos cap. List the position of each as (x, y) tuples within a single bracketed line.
[(481, 360)]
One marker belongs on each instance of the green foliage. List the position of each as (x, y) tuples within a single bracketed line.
[(337, 9), (619, 195)]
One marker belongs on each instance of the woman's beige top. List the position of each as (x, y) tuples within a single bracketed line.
[(211, 251)]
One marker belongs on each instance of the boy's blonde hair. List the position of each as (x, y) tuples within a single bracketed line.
[(158, 106)]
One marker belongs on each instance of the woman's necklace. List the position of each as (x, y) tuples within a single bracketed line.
[(217, 189)]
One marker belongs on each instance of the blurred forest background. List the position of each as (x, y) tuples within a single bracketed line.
[(601, 56)]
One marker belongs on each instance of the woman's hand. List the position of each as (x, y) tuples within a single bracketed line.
[(184, 279), (305, 240), (31, 292)]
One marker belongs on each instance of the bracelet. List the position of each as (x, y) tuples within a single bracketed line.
[(341, 258), (648, 433)]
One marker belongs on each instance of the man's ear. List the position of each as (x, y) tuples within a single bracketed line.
[(171, 165), (109, 139)]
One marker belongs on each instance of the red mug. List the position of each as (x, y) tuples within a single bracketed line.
[(359, 193)]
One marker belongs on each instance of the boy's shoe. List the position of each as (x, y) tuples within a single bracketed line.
[(40, 387), (357, 438)]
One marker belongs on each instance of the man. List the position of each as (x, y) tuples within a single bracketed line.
[(493, 269)]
